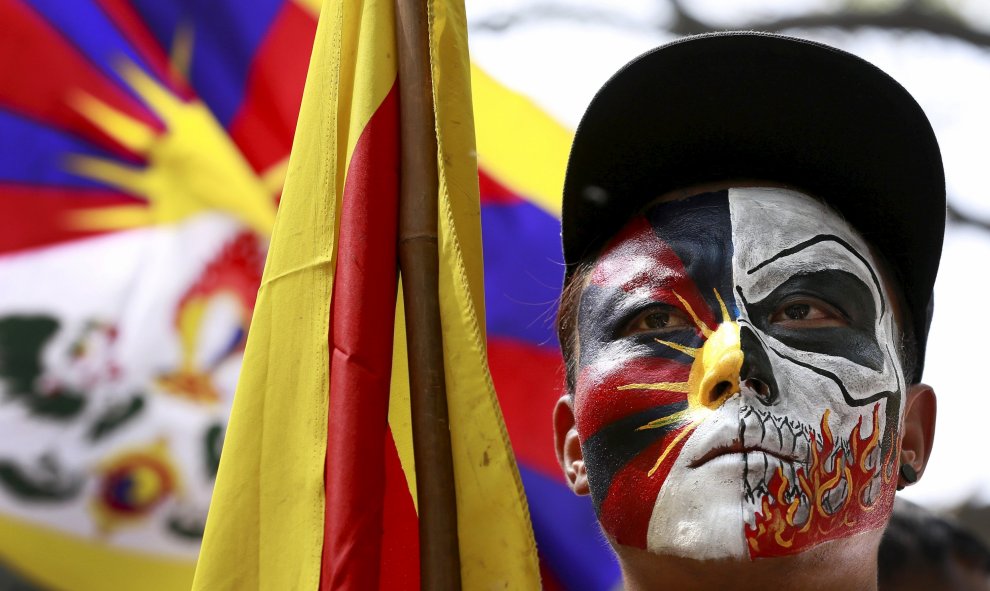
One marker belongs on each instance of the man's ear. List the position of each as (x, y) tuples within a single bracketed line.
[(918, 429), (568, 446)]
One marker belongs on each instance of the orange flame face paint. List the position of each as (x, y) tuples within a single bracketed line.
[(867, 485)]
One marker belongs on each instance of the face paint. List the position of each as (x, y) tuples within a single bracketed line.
[(738, 390)]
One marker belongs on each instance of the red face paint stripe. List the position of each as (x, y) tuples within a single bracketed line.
[(626, 510), (603, 402), (361, 327)]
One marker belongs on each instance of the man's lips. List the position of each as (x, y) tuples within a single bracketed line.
[(736, 447)]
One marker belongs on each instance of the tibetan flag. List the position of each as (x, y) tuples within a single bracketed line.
[(143, 145), (522, 155), (316, 485)]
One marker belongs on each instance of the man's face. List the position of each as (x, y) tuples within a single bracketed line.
[(739, 391)]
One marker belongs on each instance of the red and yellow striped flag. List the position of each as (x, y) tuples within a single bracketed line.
[(316, 487)]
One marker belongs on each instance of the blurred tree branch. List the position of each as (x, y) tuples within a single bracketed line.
[(954, 215), (543, 11), (909, 16)]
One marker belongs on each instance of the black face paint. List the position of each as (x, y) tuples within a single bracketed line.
[(699, 231), (611, 448), (856, 342), (818, 240), (757, 373), (605, 313)]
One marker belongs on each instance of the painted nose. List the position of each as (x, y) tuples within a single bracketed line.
[(757, 373), (721, 364)]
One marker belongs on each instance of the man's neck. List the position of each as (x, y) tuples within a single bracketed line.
[(847, 565)]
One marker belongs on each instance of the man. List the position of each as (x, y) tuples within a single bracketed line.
[(751, 226)]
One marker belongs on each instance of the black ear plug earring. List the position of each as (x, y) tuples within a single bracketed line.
[(909, 474)]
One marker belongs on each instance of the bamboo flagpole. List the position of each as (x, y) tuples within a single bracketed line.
[(419, 265)]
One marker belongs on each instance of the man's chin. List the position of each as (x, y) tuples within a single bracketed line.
[(804, 570), (699, 512)]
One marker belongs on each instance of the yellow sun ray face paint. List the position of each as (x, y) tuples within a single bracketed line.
[(691, 352), (665, 386), (737, 392)]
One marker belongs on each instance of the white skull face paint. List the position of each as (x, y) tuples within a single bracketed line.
[(840, 381), (743, 381)]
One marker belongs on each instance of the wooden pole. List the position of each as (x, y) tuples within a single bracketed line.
[(419, 262)]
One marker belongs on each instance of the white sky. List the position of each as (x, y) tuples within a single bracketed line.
[(561, 63)]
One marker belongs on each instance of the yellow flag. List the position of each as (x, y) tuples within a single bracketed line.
[(286, 482)]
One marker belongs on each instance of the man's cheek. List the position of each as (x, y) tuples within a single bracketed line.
[(846, 486), (631, 423), (843, 482)]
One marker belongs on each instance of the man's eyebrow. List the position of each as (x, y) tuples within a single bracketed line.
[(826, 238)]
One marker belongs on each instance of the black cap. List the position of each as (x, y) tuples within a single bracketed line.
[(747, 105)]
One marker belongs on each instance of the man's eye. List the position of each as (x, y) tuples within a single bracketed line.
[(808, 313), (797, 311), (657, 319)]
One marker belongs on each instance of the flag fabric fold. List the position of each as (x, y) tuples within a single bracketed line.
[(496, 543), (316, 485)]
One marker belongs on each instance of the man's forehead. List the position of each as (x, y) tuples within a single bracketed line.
[(765, 216), (775, 222), (711, 187), (754, 238)]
